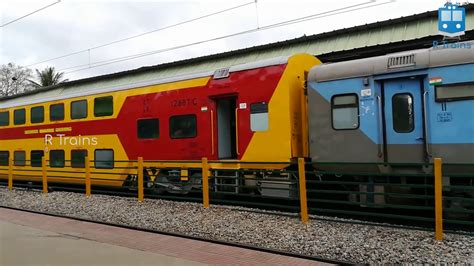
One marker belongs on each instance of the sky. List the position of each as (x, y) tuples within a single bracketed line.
[(71, 26)]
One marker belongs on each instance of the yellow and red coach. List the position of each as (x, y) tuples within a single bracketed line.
[(245, 113)]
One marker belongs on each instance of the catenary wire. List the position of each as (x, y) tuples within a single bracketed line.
[(145, 33), (29, 14), (280, 24)]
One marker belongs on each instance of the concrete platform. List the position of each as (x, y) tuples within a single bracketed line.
[(34, 239)]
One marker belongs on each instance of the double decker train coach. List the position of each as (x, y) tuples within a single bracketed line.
[(253, 112), (392, 114)]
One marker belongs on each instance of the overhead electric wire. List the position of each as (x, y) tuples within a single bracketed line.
[(29, 14), (279, 24), (146, 33)]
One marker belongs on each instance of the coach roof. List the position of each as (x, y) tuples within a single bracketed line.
[(410, 60), (59, 92)]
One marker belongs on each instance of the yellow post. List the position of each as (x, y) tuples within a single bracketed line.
[(43, 174), (140, 179), (205, 183), (10, 173), (302, 182), (88, 176), (438, 198)]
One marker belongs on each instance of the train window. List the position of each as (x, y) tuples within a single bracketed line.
[(259, 116), (56, 158), (183, 126), (402, 112), (19, 117), (37, 114), (78, 158), (104, 159), (454, 92), (103, 106), (148, 128), (4, 157), (56, 112), (345, 112), (79, 109), (19, 158), (36, 158), (4, 118)]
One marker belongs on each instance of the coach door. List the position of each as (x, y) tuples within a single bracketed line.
[(226, 127), (404, 125)]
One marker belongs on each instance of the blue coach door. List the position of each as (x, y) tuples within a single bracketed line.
[(404, 134)]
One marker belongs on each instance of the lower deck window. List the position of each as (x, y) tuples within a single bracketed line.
[(19, 158), (345, 112), (36, 158), (4, 156), (56, 158), (104, 159), (78, 158)]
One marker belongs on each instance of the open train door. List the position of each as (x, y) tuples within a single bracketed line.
[(225, 121)]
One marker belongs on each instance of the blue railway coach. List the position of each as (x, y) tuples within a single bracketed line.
[(404, 109)]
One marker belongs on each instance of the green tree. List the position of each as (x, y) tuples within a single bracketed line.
[(48, 77)]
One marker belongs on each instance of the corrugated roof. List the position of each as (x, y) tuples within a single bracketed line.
[(401, 31)]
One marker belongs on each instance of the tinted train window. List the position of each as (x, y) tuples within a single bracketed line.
[(19, 117), (345, 112), (36, 158), (103, 106), (19, 158), (148, 128), (56, 112), (79, 109), (183, 126), (454, 92), (37, 114), (4, 118), (402, 112), (4, 156), (104, 159), (78, 158), (56, 158), (259, 116)]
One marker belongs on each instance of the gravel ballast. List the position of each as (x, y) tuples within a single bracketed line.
[(328, 239)]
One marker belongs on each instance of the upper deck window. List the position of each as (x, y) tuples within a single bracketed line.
[(183, 126), (148, 128), (103, 106), (37, 114), (79, 109), (454, 92), (4, 118), (56, 112), (19, 117)]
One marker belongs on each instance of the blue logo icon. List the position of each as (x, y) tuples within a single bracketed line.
[(451, 20)]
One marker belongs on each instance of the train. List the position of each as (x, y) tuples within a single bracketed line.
[(389, 114)]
